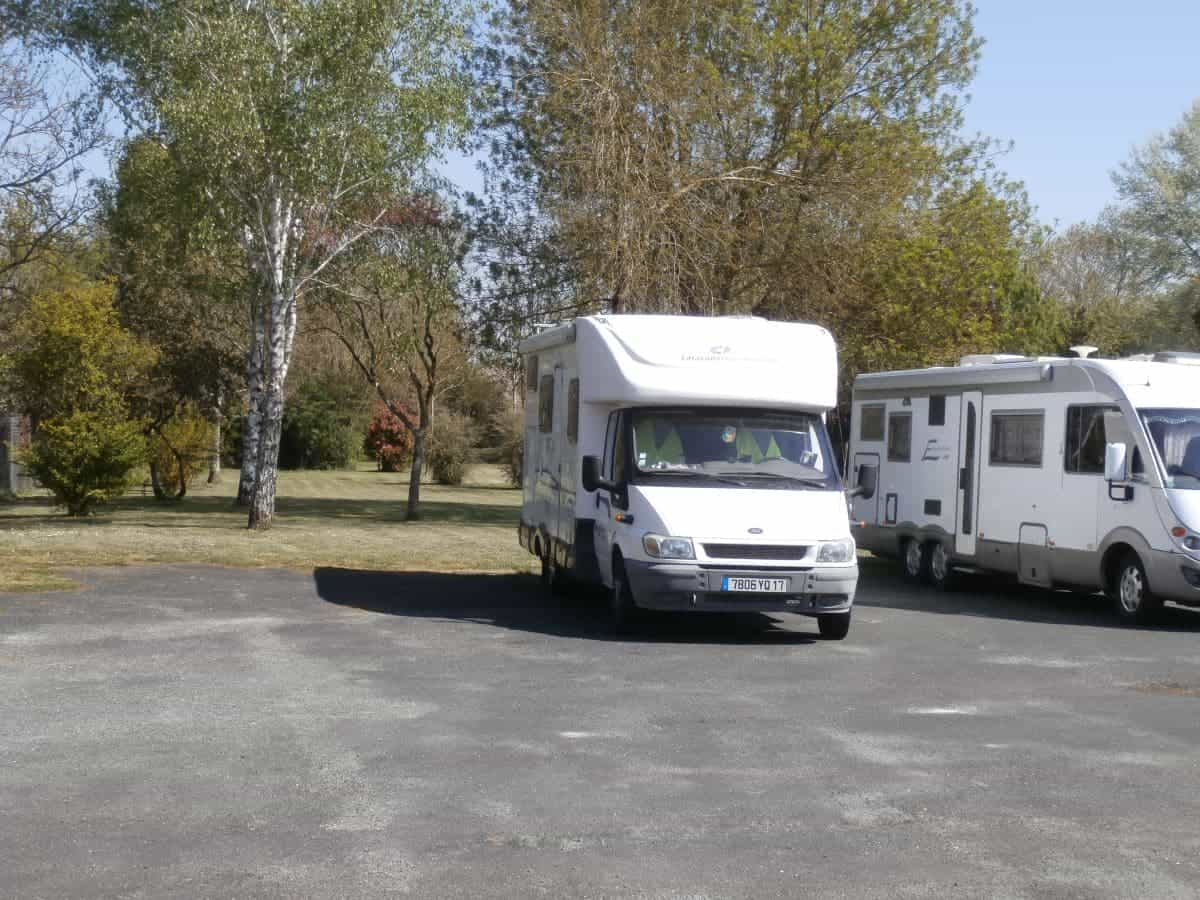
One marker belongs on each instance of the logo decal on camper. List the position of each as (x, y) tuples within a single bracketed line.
[(935, 452)]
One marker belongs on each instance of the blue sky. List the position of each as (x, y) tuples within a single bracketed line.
[(1075, 85)]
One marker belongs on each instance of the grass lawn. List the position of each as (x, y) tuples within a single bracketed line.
[(348, 518)]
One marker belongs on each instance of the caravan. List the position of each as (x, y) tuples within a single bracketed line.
[(683, 463), (1080, 473)]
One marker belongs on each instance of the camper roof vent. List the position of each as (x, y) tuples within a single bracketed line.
[(1083, 351), (991, 359), (1177, 356)]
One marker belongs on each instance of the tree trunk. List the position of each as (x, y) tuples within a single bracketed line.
[(214, 455), (156, 482), (281, 333), (414, 478), (251, 427)]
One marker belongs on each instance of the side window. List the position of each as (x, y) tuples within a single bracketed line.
[(937, 410), (573, 411), (870, 425), (531, 372), (899, 437), (546, 405), (1016, 439), (1086, 439)]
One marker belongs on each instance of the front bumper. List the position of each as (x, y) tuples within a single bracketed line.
[(1175, 576), (689, 586)]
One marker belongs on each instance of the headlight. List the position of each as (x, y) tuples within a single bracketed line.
[(668, 547), (836, 551)]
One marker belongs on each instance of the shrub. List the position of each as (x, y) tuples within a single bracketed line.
[(447, 447), (509, 428), (179, 452), (321, 424), (388, 441), (87, 458)]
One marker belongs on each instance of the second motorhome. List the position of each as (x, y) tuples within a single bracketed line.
[(683, 463), (1080, 473)]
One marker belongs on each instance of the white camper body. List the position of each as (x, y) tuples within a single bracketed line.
[(716, 487), (1079, 473)]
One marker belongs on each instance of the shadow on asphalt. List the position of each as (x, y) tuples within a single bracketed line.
[(519, 602), (994, 597)]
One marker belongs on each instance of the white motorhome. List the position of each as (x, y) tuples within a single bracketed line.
[(683, 463), (1078, 473)]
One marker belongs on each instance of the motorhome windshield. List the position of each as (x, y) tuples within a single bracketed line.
[(1176, 436), (740, 447)]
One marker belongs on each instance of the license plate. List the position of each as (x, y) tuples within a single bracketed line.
[(755, 585)]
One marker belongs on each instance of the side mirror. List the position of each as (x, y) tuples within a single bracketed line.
[(868, 478), (589, 473), (1115, 468)]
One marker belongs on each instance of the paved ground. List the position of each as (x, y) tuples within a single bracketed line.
[(204, 732)]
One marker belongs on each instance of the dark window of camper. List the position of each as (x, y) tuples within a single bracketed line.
[(1017, 439), (870, 426), (620, 468), (531, 373), (610, 439), (1086, 439), (573, 411), (899, 438), (546, 405), (937, 410)]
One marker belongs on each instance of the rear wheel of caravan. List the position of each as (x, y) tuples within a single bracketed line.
[(624, 610), (915, 560), (834, 626), (1130, 591), (941, 574)]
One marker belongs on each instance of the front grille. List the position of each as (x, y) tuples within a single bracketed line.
[(755, 551)]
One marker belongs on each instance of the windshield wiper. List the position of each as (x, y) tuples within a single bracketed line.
[(811, 484), (694, 473)]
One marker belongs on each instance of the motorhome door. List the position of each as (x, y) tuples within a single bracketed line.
[(970, 438), (567, 422)]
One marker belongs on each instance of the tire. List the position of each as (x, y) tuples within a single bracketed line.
[(941, 573), (915, 561), (1130, 592), (625, 612), (834, 626)]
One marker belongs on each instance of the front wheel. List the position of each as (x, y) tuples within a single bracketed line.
[(1128, 588), (834, 626), (624, 609)]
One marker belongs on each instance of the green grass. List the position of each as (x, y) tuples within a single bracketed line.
[(353, 519)]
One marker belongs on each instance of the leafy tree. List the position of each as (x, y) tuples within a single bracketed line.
[(179, 452), (76, 356), (395, 307), (449, 448), (87, 457), (388, 441), (323, 424), (292, 116)]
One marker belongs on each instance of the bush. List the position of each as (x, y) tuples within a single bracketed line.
[(509, 428), (447, 447), (321, 424), (388, 441), (180, 452), (86, 458)]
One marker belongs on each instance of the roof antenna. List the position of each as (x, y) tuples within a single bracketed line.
[(1083, 351)]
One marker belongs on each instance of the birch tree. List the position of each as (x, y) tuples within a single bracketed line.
[(293, 115)]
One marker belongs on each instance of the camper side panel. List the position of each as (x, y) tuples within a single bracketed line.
[(914, 441)]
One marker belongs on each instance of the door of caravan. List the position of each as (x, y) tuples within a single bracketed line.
[(970, 440), (567, 431), (865, 509)]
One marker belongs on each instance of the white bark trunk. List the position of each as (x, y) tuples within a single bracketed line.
[(281, 334), (251, 427)]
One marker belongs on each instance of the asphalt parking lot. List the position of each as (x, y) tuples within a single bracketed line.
[(193, 731)]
